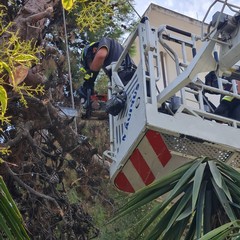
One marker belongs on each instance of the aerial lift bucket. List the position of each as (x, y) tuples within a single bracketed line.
[(147, 143), (138, 151), (141, 154)]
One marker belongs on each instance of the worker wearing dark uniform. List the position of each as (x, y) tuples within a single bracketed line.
[(229, 107), (99, 55)]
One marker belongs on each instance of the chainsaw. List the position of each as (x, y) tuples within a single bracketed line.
[(94, 106)]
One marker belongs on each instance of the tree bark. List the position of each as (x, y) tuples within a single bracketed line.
[(43, 143)]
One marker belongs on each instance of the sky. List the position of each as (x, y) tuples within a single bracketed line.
[(192, 8)]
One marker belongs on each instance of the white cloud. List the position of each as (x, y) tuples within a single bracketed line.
[(192, 8)]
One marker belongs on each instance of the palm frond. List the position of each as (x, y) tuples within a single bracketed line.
[(198, 198), (11, 222), (223, 231)]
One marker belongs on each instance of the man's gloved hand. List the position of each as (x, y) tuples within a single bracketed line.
[(88, 85), (88, 74)]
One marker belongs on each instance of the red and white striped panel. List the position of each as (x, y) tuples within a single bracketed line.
[(147, 163)]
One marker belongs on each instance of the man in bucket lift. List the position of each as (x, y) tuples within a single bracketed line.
[(229, 106), (99, 55)]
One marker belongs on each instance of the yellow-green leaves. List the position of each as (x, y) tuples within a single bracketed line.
[(6, 67), (67, 4), (3, 100), (4, 151), (16, 58), (22, 58), (94, 15)]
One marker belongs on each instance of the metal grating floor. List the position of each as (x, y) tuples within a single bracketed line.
[(185, 147)]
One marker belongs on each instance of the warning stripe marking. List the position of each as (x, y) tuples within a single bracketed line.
[(146, 163), (133, 176), (158, 146), (122, 183), (150, 157), (142, 167)]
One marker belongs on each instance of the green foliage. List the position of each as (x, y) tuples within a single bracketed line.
[(118, 20), (11, 222), (4, 151), (96, 19), (3, 100), (14, 54), (73, 195), (94, 15), (123, 228), (16, 57), (200, 196), (224, 231), (102, 84), (21, 89)]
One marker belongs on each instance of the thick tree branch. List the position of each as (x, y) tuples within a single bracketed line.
[(38, 16), (31, 190)]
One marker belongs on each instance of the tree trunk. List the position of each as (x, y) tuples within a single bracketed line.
[(46, 150)]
